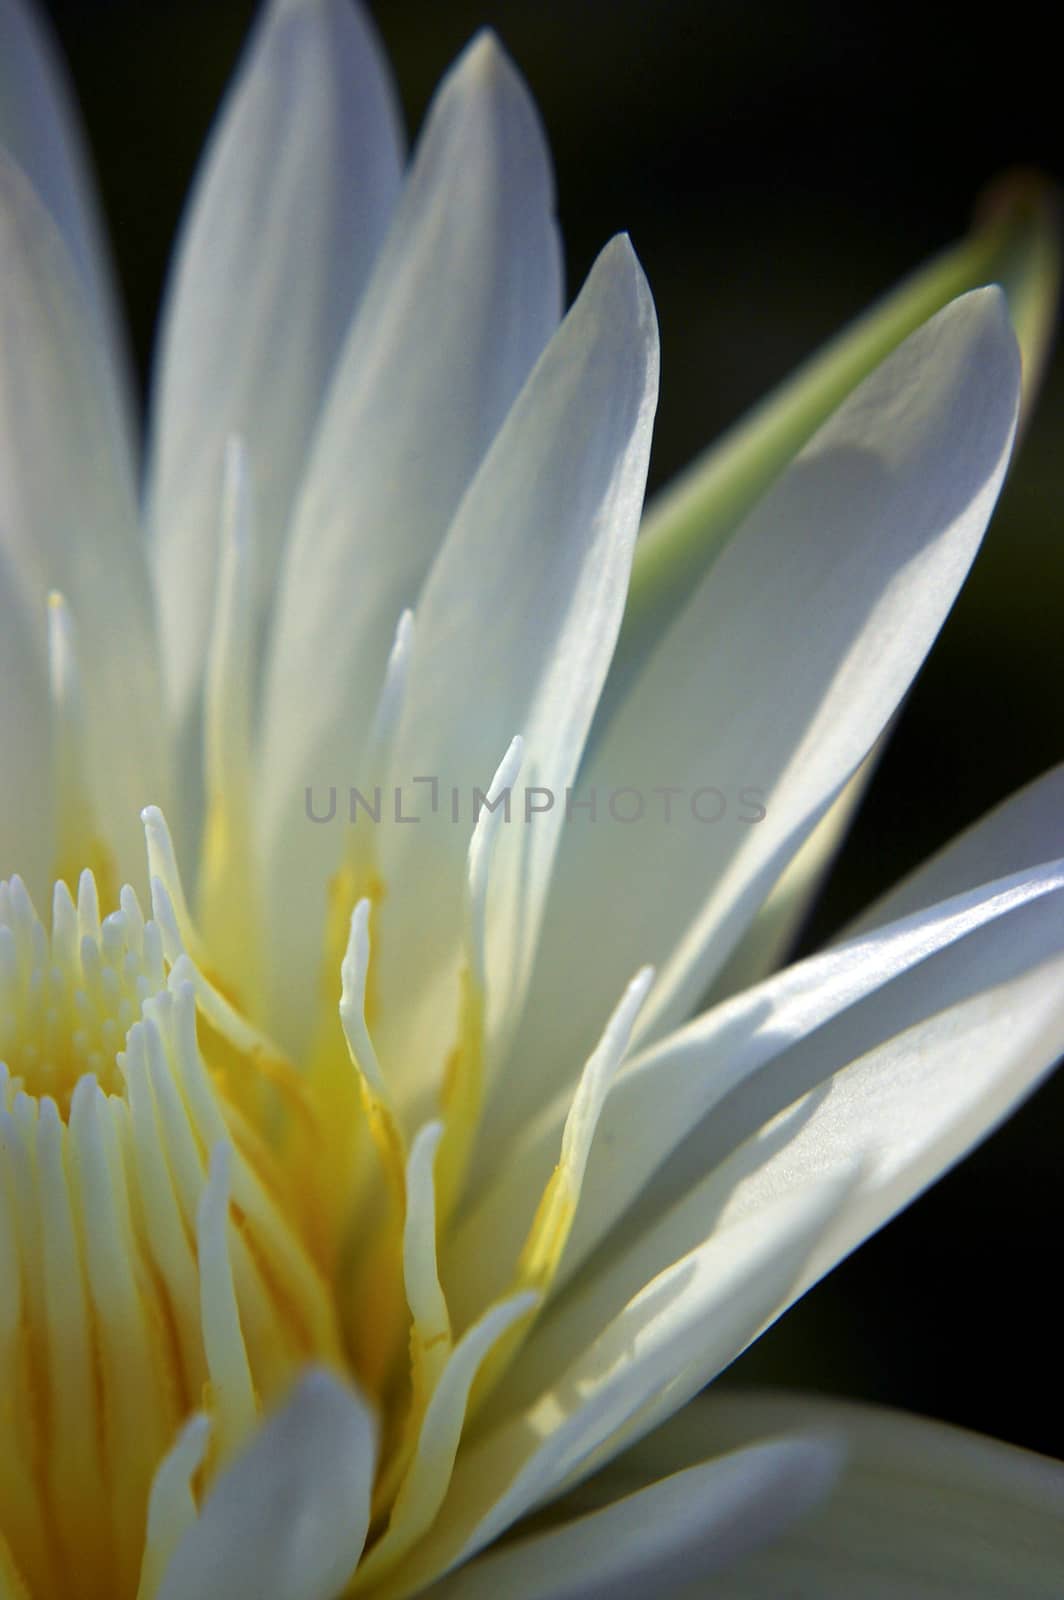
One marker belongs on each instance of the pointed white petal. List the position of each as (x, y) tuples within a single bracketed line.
[(464, 297), (779, 675), (920, 1509), (674, 1086), (283, 225), (516, 627), (67, 511), (903, 1084), (287, 1521), (918, 1101), (41, 130), (658, 1538)]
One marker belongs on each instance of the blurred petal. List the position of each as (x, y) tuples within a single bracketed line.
[(1015, 242), (282, 228), (780, 674), (515, 632), (67, 511), (1022, 211), (41, 130), (288, 1520), (920, 1509), (26, 801), (464, 297), (660, 1538)]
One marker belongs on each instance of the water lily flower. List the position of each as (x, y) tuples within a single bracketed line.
[(376, 813)]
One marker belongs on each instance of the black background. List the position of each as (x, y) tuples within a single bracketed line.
[(778, 166)]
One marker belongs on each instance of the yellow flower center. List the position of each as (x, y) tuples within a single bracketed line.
[(188, 1218), (156, 1250), (187, 1221)]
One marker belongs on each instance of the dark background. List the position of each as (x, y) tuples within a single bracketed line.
[(778, 166)]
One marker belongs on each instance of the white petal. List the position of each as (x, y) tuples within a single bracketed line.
[(41, 130), (1026, 828), (920, 1510), (289, 207), (668, 1091), (914, 1104), (515, 630), (464, 297), (900, 1085), (657, 1539), (287, 1521), (780, 674), (67, 511)]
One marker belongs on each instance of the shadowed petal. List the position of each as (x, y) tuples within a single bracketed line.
[(897, 1088), (68, 515), (780, 673), (661, 1537), (920, 1509), (40, 128)]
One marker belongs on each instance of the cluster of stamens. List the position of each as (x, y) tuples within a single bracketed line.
[(188, 1217), (67, 1002), (149, 1271)]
